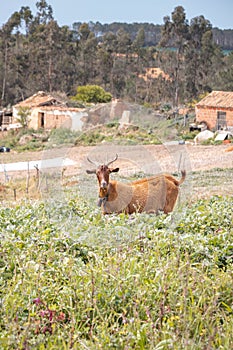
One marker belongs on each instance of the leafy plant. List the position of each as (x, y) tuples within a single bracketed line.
[(92, 94), (63, 136), (71, 278), (24, 116)]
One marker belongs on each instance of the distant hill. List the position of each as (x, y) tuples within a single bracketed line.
[(222, 37)]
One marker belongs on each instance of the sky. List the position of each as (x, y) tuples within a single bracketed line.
[(219, 13)]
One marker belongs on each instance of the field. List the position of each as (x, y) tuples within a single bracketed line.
[(73, 279)]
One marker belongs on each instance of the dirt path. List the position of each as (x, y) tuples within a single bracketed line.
[(148, 159), (209, 168)]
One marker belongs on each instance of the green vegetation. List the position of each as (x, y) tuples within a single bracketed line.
[(36, 140), (24, 116), (142, 132), (71, 278), (92, 94), (63, 136), (114, 57), (25, 139), (31, 140), (111, 132)]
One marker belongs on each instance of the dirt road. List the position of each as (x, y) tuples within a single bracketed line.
[(148, 159), (132, 160)]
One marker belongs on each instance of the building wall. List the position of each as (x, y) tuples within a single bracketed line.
[(55, 121), (209, 115), (33, 118), (54, 118)]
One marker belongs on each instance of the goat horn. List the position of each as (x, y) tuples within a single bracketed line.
[(92, 162), (112, 160)]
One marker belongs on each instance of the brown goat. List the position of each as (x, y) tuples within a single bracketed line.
[(152, 194)]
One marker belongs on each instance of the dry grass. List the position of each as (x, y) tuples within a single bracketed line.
[(209, 169), (199, 184)]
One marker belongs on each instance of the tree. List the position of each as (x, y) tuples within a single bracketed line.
[(84, 32), (225, 74), (105, 65), (37, 54), (23, 116), (198, 57), (9, 42), (92, 94), (44, 12), (176, 31), (87, 51), (26, 16), (123, 41), (109, 42), (44, 56), (139, 41)]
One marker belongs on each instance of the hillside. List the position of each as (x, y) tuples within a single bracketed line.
[(222, 37)]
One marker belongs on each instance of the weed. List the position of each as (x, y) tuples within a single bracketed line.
[(71, 278)]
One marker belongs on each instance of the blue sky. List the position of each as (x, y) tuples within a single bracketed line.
[(219, 13)]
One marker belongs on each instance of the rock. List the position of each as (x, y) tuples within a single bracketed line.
[(203, 136), (25, 139), (124, 119)]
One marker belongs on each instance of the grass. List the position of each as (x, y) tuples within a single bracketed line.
[(25, 139), (31, 140), (111, 133), (71, 278), (200, 184), (211, 182)]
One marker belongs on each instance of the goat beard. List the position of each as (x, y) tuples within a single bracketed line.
[(103, 192)]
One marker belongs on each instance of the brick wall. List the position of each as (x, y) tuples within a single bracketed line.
[(209, 115)]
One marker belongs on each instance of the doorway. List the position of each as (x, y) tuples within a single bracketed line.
[(41, 120), (221, 120)]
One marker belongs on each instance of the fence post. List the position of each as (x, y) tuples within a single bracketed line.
[(27, 180), (37, 175), (5, 173)]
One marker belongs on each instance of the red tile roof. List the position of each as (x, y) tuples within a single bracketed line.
[(61, 108), (39, 99), (219, 99)]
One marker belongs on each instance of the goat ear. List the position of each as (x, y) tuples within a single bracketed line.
[(90, 171), (114, 170)]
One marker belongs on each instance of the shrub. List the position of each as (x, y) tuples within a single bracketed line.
[(73, 279), (92, 94), (63, 136), (23, 116)]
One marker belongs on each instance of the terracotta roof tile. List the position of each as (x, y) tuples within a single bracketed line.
[(39, 99), (219, 99), (61, 108)]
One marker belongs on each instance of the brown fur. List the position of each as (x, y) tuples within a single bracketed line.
[(157, 193), (153, 194), (229, 149)]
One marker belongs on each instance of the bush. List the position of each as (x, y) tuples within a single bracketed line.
[(92, 94), (63, 136), (121, 282)]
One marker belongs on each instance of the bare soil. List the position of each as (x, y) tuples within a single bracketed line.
[(167, 156), (209, 168)]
